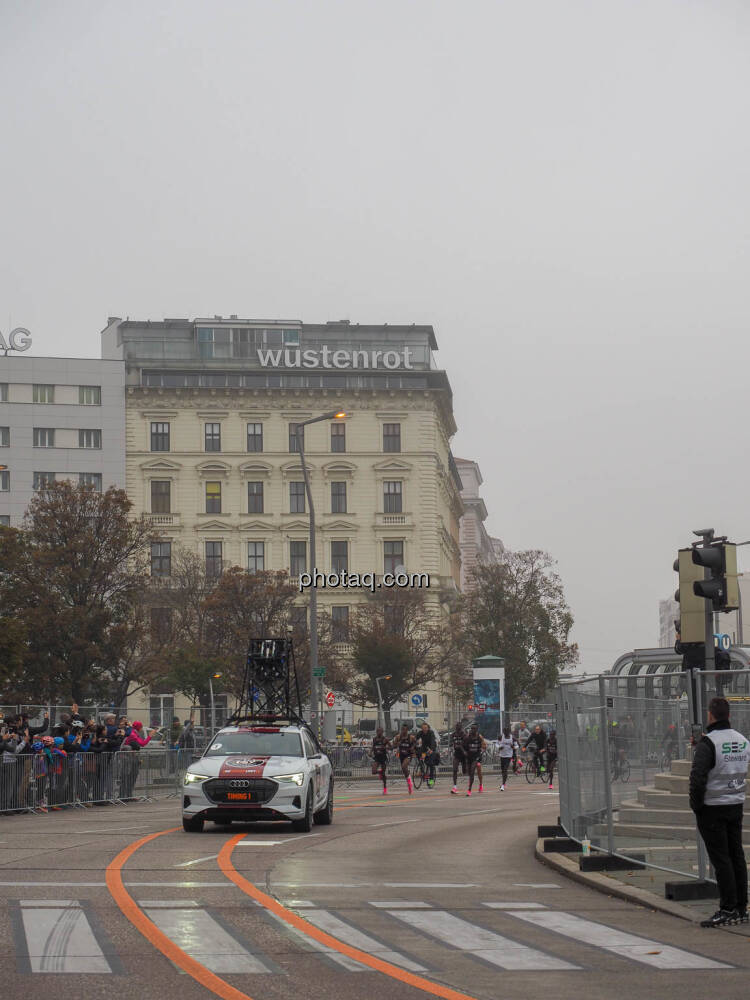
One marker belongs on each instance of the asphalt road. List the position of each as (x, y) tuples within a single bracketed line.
[(433, 895)]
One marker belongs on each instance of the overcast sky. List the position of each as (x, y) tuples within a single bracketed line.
[(560, 187)]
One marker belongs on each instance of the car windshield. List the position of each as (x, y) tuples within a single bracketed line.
[(256, 744)]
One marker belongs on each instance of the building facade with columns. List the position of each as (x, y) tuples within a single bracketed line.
[(211, 408)]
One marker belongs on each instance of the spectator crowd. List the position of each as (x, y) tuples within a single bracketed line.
[(79, 762)]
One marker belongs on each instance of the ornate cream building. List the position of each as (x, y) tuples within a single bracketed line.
[(211, 409)]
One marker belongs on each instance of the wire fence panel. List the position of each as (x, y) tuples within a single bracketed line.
[(625, 750)]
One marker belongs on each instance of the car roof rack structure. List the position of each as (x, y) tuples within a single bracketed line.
[(270, 686)]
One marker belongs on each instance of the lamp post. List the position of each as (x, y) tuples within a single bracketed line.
[(331, 415), (383, 677), (211, 679)]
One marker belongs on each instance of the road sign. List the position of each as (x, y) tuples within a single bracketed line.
[(416, 699), (319, 671), (480, 708), (330, 699)]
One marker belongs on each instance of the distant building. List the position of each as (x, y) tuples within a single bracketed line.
[(60, 418), (669, 610), (477, 546)]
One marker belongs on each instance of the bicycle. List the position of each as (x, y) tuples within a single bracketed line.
[(620, 769), (535, 771), (419, 771)]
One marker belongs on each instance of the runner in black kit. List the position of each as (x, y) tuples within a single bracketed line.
[(380, 747), (474, 744), (459, 754), (405, 750)]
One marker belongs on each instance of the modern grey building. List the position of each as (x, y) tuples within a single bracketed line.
[(60, 418)]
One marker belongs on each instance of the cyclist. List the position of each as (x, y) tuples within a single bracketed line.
[(426, 747), (669, 744), (459, 754), (523, 735), (551, 753), (474, 744), (508, 748), (405, 750), (538, 742), (380, 747)]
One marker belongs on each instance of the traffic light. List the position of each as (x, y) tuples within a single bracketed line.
[(692, 605), (720, 587)]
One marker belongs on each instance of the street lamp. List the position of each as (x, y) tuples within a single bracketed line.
[(211, 679), (331, 415), (384, 677)]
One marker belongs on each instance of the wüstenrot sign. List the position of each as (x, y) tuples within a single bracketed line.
[(333, 358)]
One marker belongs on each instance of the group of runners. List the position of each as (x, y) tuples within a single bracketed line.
[(467, 747)]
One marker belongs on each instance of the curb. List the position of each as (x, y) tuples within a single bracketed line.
[(566, 865)]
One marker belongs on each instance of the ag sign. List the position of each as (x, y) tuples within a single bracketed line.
[(18, 340), (416, 699)]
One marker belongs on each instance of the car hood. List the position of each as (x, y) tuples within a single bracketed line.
[(247, 766)]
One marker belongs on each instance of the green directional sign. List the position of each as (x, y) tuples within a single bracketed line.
[(319, 671)]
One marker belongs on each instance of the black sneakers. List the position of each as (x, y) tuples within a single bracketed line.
[(722, 917)]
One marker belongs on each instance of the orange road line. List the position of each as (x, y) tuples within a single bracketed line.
[(151, 932), (302, 925)]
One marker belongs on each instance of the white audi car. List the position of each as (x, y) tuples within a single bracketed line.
[(255, 772)]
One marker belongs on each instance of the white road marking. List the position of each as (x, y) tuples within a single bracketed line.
[(310, 944), (317, 885), (536, 885), (403, 903), (430, 885), (658, 956), (47, 903), (265, 843), (185, 864), (60, 939), (478, 941), (205, 940), (167, 904), (514, 906), (297, 903), (330, 923), (97, 885)]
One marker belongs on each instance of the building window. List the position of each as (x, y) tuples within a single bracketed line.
[(90, 395), (91, 479), (4, 481), (338, 498), (213, 559), (293, 443), (43, 394), (297, 558), (394, 620), (161, 559), (339, 557), (296, 498), (255, 498), (159, 437), (5, 520), (393, 556), (161, 710), (392, 497), (338, 437), (161, 624), (4, 437), (213, 437), (89, 439), (43, 480), (3, 392), (256, 556), (298, 620), (161, 496), (44, 437), (340, 623), (391, 437), (255, 437), (213, 498)]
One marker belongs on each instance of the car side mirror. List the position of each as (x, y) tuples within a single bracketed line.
[(197, 756), (316, 756)]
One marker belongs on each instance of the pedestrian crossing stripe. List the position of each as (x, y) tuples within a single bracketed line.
[(326, 921), (60, 936)]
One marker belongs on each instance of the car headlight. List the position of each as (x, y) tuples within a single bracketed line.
[(190, 777), (298, 778)]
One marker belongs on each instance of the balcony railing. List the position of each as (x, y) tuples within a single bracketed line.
[(392, 520), (164, 520)]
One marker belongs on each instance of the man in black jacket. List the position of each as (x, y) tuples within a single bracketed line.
[(717, 797)]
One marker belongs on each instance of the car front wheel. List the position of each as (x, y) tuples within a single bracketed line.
[(324, 817), (304, 825), (192, 825)]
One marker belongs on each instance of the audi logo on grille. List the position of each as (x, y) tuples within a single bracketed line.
[(239, 784)]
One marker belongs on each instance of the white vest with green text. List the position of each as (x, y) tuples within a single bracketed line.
[(726, 780)]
